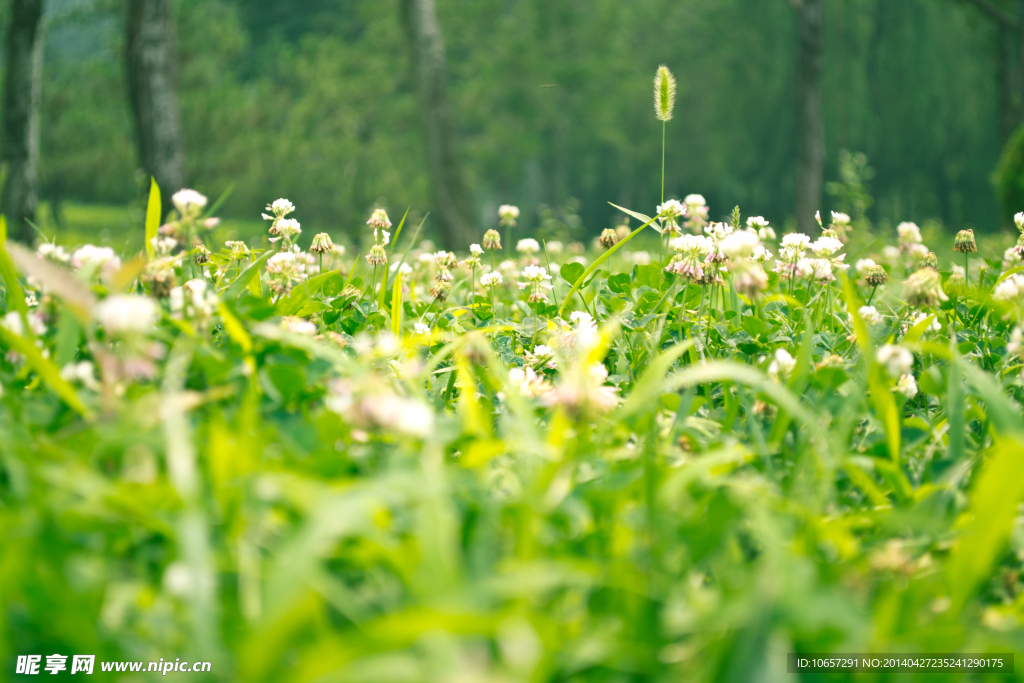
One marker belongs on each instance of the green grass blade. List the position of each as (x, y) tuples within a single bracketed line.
[(597, 263), (153, 216)]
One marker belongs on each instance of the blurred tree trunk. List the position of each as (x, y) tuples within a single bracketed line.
[(451, 199), (20, 135), (811, 160), (153, 87), (1009, 62)]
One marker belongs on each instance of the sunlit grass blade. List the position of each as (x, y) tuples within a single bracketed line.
[(153, 216)]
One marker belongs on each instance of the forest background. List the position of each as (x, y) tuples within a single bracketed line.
[(317, 101)]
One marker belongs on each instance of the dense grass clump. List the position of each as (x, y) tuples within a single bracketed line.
[(547, 463)]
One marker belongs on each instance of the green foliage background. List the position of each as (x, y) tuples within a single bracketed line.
[(314, 101)]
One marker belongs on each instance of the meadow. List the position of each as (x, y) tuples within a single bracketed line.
[(677, 453)]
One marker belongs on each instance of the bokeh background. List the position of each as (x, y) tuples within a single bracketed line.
[(551, 105)]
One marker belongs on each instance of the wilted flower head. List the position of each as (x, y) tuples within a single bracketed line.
[(189, 203), (664, 93), (897, 360), (528, 246), (237, 249), (201, 255), (507, 215), (322, 244), (445, 259), (379, 220), (608, 238), (127, 313), (956, 285), (377, 256), (924, 288), (964, 242), (492, 240)]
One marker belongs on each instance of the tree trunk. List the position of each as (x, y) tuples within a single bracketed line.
[(153, 87), (21, 116), (451, 199), (811, 160)]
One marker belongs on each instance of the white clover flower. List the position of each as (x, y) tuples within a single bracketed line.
[(555, 247), (13, 323), (761, 226), (762, 255), (921, 317), (296, 325), (1015, 346), (697, 244), (82, 373), (163, 246), (421, 328), (508, 214), (541, 355), (917, 251), (869, 314), (782, 365), (534, 276), (127, 313), (863, 264), (52, 252), (670, 212), (740, 244), (640, 257), (906, 386), (890, 254), (1011, 289), (796, 241), (528, 246), (897, 360), (1018, 220), (908, 233), (90, 258), (840, 219), (476, 249), (673, 208), (490, 279), (287, 229), (826, 247), (528, 382), (280, 208), (189, 203)]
